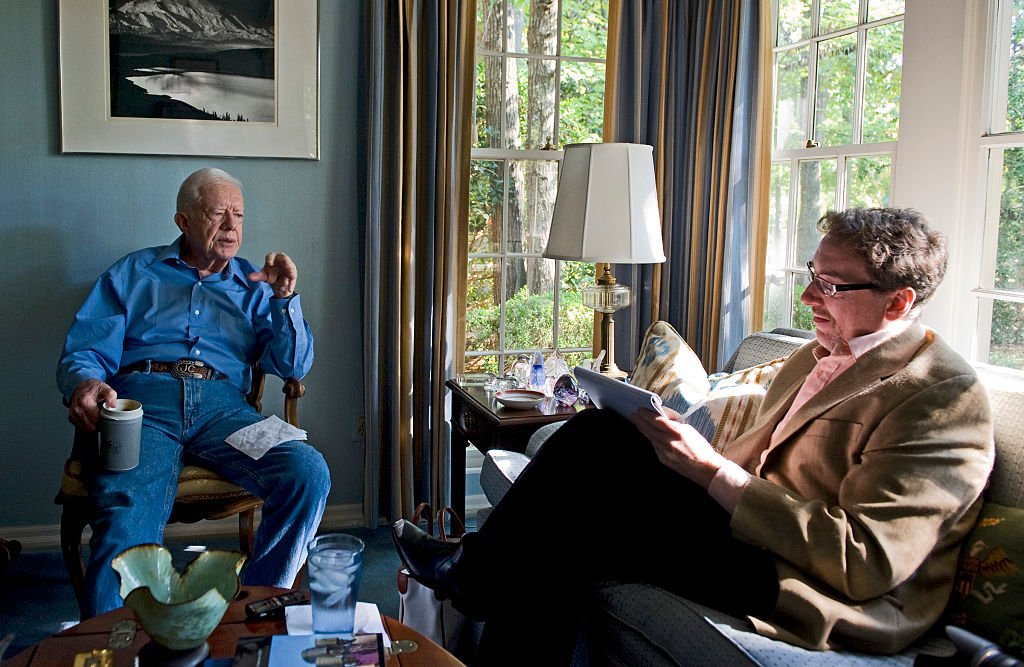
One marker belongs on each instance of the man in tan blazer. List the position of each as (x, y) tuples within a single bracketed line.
[(835, 521)]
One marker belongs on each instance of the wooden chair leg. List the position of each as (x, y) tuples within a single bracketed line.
[(72, 524), (246, 522)]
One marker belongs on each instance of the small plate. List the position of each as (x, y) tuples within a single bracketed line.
[(519, 399)]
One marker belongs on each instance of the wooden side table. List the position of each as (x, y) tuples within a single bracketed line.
[(479, 419)]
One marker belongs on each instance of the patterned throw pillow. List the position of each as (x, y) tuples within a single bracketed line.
[(731, 405), (669, 368), (988, 595)]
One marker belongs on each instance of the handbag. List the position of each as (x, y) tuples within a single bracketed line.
[(419, 608)]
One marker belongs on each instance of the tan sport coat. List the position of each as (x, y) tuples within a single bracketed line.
[(866, 499)]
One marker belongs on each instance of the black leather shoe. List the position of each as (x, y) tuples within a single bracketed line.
[(428, 559)]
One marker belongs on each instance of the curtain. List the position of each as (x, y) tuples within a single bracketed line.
[(419, 76), (692, 79)]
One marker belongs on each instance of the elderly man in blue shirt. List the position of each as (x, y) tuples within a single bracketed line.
[(193, 306)]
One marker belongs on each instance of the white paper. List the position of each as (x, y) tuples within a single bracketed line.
[(617, 395), (256, 439), (299, 620)]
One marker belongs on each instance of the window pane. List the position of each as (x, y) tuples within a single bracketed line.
[(802, 317), (817, 195), (778, 215), (530, 203), (585, 28), (1011, 117), (880, 9), (534, 32), (575, 321), (867, 181), (1006, 346), (1010, 251), (529, 309), (883, 80), (833, 102), (485, 208), (490, 19), (535, 89), (791, 98), (488, 103), (482, 311), (581, 107), (482, 364), (836, 15), (776, 303), (794, 21)]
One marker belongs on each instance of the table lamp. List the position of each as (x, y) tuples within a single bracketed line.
[(606, 211)]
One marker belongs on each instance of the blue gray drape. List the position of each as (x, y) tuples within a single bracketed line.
[(419, 67), (692, 78)]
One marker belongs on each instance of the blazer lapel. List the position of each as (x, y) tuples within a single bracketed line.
[(875, 366)]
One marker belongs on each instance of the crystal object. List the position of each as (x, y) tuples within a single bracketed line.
[(566, 391)]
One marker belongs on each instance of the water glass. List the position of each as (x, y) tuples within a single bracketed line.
[(335, 565)]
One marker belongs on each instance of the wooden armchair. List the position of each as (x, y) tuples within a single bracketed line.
[(202, 494)]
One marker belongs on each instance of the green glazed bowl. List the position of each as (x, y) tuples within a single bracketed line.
[(178, 611)]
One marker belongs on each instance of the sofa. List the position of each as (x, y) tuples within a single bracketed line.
[(640, 624)]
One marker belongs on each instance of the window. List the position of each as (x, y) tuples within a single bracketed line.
[(837, 83), (539, 85), (1000, 291)]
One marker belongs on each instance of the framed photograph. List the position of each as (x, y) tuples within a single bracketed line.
[(236, 78)]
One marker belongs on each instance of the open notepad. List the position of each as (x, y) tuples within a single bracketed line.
[(617, 395)]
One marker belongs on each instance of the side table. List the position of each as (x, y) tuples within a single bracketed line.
[(478, 419)]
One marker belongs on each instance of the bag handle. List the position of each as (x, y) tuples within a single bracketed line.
[(424, 513), (458, 528)]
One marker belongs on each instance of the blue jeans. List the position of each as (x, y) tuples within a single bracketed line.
[(186, 421)]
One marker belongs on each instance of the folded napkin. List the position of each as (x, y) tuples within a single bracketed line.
[(256, 439)]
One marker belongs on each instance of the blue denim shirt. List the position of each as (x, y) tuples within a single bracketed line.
[(151, 305)]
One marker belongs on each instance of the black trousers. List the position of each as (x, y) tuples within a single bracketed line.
[(596, 505)]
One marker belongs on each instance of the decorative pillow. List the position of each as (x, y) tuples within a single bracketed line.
[(988, 595), (726, 413), (669, 368), (731, 405)]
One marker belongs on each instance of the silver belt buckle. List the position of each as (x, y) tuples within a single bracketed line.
[(186, 368)]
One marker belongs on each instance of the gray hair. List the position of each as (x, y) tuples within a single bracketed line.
[(190, 192), (897, 243)]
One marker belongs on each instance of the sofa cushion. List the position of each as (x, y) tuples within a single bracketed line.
[(1006, 395), (669, 368), (731, 405), (988, 598)]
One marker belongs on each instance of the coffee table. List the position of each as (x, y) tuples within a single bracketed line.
[(478, 418), (60, 649)]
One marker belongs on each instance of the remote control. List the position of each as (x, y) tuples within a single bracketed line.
[(275, 605)]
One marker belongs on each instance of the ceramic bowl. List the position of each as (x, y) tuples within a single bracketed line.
[(178, 611), (519, 399)]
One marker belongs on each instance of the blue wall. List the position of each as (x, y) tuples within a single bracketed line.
[(65, 217)]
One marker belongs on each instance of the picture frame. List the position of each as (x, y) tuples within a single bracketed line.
[(112, 100)]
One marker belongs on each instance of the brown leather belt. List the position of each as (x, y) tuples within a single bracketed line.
[(182, 368)]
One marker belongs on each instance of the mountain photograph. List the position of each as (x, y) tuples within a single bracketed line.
[(193, 59)]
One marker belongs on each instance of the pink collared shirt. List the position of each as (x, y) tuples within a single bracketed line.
[(728, 483)]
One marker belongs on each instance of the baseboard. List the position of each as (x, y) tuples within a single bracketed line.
[(48, 537)]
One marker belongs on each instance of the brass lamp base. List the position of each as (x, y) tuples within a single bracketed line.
[(606, 297)]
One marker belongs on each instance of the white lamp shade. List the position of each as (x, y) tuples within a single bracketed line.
[(607, 206)]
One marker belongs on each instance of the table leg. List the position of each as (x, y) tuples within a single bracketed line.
[(458, 474)]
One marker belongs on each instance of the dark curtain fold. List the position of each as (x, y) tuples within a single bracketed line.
[(687, 77), (419, 89)]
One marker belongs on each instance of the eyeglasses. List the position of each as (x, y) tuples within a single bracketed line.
[(830, 289)]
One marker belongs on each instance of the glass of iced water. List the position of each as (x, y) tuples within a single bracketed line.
[(335, 563)]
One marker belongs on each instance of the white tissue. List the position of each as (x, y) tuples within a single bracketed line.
[(255, 440)]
